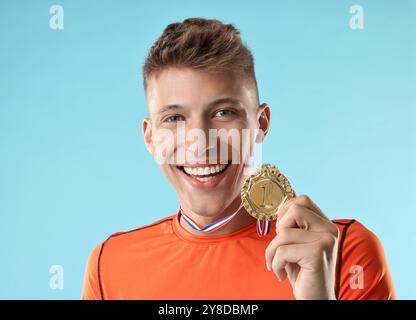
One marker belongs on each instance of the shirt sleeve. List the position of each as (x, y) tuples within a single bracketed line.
[(91, 286), (362, 270)]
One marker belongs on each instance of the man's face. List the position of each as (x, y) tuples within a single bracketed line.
[(198, 101)]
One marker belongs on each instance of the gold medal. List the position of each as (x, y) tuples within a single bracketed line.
[(264, 191)]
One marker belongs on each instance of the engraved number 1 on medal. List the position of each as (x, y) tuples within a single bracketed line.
[(267, 191)]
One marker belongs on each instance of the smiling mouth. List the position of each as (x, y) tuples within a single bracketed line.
[(204, 173)]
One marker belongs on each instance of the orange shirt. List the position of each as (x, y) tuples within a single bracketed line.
[(165, 261)]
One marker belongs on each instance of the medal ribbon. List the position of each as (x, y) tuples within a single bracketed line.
[(213, 225), (263, 226)]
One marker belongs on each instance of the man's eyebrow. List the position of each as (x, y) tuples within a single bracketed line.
[(220, 101), (216, 102), (169, 107)]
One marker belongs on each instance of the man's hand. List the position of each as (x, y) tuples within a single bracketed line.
[(304, 249)]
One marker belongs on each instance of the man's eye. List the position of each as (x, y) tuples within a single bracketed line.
[(224, 113), (173, 118)]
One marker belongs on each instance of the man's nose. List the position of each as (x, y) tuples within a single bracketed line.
[(200, 122), (199, 126), (197, 135)]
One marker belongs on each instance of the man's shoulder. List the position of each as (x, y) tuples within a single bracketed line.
[(356, 241), (353, 230), (361, 256), (142, 235)]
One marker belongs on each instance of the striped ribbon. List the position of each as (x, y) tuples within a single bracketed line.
[(263, 227)]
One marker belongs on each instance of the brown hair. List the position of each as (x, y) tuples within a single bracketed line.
[(203, 44)]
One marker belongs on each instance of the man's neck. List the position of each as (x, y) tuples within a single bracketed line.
[(240, 220)]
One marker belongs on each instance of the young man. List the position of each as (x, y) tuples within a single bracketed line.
[(199, 73)]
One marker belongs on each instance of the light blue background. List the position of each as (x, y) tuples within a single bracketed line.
[(73, 166)]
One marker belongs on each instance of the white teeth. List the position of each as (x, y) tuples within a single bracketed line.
[(204, 171), (203, 179), (220, 167)]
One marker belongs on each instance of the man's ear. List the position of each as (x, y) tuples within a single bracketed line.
[(263, 118), (148, 134)]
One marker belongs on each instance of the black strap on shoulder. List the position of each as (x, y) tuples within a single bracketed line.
[(345, 227)]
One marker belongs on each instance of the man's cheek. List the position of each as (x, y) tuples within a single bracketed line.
[(164, 147)]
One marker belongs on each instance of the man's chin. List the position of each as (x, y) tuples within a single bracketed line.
[(209, 208)]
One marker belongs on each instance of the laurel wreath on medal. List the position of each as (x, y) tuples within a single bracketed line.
[(277, 184)]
